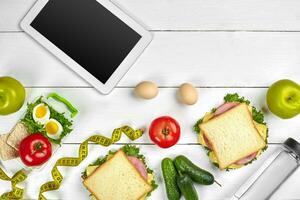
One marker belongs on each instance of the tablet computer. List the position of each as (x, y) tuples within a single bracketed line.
[(92, 37)]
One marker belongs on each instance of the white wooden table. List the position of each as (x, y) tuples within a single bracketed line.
[(221, 46)]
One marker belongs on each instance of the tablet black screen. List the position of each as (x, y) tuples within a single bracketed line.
[(88, 33)]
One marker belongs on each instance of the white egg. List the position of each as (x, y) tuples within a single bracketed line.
[(188, 94), (41, 113), (53, 129), (146, 90)]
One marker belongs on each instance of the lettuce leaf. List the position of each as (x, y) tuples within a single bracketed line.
[(235, 98), (258, 116), (196, 126)]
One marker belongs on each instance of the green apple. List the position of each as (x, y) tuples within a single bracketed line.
[(12, 95), (283, 98)]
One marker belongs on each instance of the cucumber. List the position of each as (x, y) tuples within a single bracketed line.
[(198, 175), (170, 175), (186, 187)]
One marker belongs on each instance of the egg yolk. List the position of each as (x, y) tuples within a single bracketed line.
[(51, 128), (41, 111)]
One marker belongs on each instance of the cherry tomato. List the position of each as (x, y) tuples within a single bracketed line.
[(35, 150), (164, 131)]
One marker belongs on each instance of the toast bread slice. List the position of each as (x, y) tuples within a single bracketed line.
[(6, 151), (17, 134)]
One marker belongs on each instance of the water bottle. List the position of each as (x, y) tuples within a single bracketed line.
[(275, 170)]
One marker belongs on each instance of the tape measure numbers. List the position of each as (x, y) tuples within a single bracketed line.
[(16, 192)]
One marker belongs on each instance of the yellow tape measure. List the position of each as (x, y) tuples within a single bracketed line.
[(16, 193)]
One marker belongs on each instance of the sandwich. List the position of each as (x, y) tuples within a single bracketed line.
[(120, 175), (234, 134)]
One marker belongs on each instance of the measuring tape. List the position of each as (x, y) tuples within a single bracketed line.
[(17, 193)]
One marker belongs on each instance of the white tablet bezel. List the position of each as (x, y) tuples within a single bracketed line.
[(106, 88)]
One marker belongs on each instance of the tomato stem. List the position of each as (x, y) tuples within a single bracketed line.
[(165, 132), (38, 146)]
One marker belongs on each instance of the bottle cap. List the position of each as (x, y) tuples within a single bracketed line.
[(293, 146)]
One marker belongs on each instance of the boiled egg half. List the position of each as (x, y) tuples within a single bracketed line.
[(41, 113), (53, 129)]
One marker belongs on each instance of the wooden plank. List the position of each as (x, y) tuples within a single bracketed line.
[(72, 186), (188, 14), (101, 114), (206, 59), (12, 12)]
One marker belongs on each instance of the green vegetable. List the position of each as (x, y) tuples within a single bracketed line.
[(235, 98), (170, 175), (258, 116), (36, 127), (154, 186), (201, 176), (131, 150), (61, 99), (196, 126), (186, 187)]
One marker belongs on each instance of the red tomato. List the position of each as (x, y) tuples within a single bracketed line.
[(35, 150), (164, 131)]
